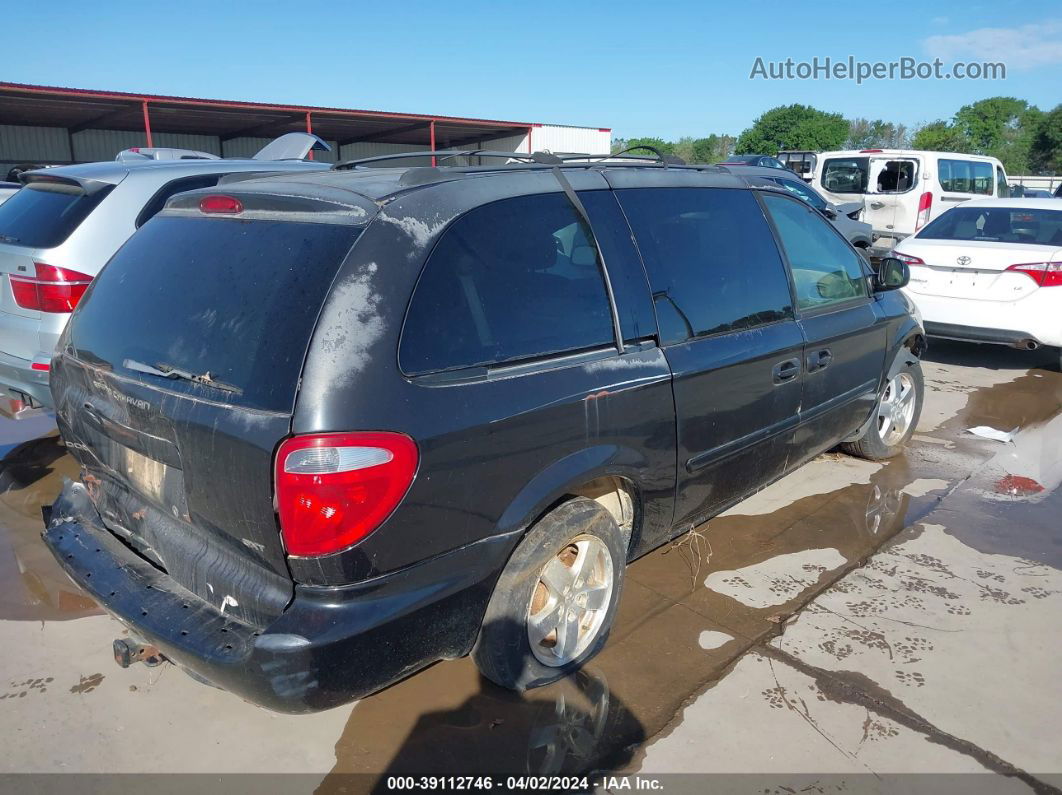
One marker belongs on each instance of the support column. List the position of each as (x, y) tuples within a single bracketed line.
[(431, 129), (147, 124), (309, 129)]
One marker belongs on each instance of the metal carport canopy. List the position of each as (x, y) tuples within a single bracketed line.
[(77, 109)]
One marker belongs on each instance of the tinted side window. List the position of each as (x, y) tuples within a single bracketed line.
[(712, 262), (846, 175), (511, 280), (43, 215), (825, 269)]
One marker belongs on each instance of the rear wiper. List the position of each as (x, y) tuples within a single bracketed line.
[(168, 371)]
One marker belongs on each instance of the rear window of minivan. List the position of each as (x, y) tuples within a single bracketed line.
[(233, 302), (44, 215), (846, 174)]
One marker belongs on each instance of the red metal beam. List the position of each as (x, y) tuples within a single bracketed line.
[(23, 88), (431, 129), (309, 129), (147, 124)]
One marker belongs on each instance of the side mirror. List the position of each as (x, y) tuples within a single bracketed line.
[(892, 274), (829, 211)]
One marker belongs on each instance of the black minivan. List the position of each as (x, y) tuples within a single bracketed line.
[(334, 427)]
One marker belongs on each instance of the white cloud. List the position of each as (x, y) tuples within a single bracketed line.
[(939, 21), (1022, 47)]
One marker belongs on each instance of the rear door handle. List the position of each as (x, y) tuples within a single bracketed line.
[(876, 205), (819, 360), (786, 371)]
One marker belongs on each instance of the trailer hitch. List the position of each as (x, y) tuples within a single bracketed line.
[(132, 650)]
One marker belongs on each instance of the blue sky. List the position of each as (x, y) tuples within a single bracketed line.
[(667, 68)]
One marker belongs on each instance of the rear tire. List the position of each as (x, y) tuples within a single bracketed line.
[(555, 601), (895, 417)]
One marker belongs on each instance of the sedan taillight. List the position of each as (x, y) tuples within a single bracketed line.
[(1045, 274), (334, 489), (908, 258), (50, 289)]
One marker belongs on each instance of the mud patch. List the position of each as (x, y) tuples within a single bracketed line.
[(87, 684)]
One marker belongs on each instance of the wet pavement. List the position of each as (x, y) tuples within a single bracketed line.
[(854, 618)]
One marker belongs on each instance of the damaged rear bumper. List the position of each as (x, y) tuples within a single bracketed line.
[(329, 646)]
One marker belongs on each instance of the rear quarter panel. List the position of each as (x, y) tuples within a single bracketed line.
[(495, 452)]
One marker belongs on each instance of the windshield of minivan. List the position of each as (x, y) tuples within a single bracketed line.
[(43, 215), (998, 225), (213, 300), (846, 174)]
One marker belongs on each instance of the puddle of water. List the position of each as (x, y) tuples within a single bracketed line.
[(32, 585), (673, 637)]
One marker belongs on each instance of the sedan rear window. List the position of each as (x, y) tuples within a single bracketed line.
[(43, 215), (1031, 226), (231, 303)]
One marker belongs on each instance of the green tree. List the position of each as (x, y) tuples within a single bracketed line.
[(712, 149), (1003, 127), (665, 147), (1045, 153), (940, 136), (793, 127), (876, 134)]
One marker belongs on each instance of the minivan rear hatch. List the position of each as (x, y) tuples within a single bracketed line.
[(177, 379)]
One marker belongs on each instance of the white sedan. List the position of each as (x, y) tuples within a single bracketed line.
[(990, 270)]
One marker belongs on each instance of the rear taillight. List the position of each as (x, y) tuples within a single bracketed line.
[(51, 289), (334, 489), (925, 205), (908, 258), (1045, 274)]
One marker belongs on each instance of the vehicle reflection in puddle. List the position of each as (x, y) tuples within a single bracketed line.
[(448, 720), (32, 585), (673, 638)]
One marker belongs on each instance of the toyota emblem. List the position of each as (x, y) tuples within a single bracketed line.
[(964, 261)]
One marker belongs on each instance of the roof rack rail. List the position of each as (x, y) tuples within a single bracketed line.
[(665, 160), (536, 158), (541, 158)]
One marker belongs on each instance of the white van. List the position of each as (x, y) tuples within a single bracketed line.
[(902, 189)]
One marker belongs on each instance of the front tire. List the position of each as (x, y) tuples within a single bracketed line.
[(555, 601), (895, 416)]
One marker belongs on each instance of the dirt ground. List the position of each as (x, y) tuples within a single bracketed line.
[(852, 622)]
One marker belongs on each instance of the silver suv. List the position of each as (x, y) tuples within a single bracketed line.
[(66, 223)]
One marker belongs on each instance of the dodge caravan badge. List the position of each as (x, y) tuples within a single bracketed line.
[(963, 261)]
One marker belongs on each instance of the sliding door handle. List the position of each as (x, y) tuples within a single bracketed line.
[(786, 371)]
